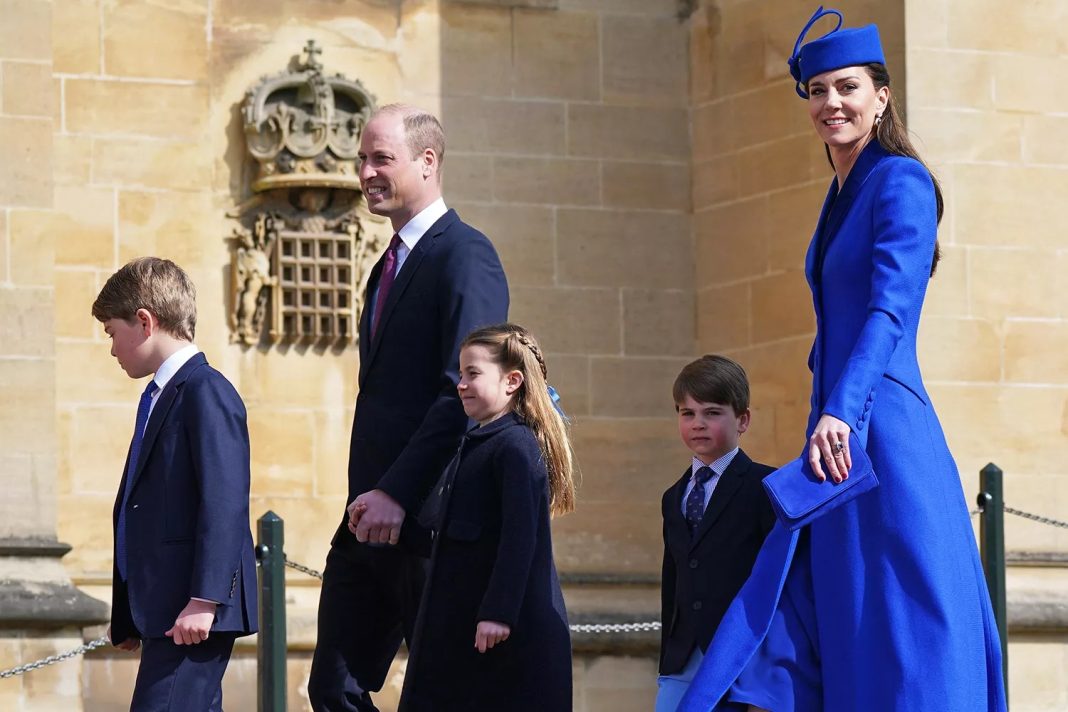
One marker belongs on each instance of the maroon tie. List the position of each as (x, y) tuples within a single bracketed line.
[(385, 281)]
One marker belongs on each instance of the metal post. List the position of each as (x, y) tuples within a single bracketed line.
[(992, 549), (271, 643)]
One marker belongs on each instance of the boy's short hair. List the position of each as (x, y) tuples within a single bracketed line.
[(713, 379), (158, 285)]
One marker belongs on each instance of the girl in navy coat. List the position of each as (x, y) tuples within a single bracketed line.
[(880, 604), (492, 633)]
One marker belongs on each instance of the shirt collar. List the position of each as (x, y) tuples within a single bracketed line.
[(415, 228), (174, 362), (718, 467)]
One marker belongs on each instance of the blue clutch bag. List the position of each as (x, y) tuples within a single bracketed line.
[(799, 498)]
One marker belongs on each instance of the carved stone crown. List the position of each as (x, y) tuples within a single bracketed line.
[(303, 127)]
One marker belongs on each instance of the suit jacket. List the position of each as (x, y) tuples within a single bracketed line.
[(702, 573), (408, 418), (187, 514)]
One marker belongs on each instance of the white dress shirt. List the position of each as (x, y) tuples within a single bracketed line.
[(410, 235), (718, 468)]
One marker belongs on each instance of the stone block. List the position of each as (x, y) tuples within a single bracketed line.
[(629, 459), (995, 205), (792, 218), (162, 110), (959, 349), (524, 235), (139, 163), (702, 57), (633, 387), (600, 248), (715, 181), (664, 8), (767, 114), (620, 684), (282, 452), (29, 399), (731, 242), (612, 537), (1028, 30), (570, 376), (739, 30), (658, 322), (657, 73), (75, 50), (929, 28), (557, 55), (28, 508), (1042, 142), (26, 155), (468, 177), (26, 32), (778, 371), (781, 164), (297, 379), (71, 159), (653, 186), (106, 432), (179, 53), (723, 317), (1013, 283), (593, 322), (32, 253), (75, 292), (179, 226), (647, 132), (1034, 352), (82, 226), (1037, 668), (969, 135), (554, 181), (5, 258), (310, 523), (476, 50), (56, 687), (26, 321), (486, 125), (964, 79), (27, 89), (85, 522), (782, 307), (331, 436), (86, 372), (713, 129)]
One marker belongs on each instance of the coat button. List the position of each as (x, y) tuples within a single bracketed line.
[(694, 563), (697, 605), (136, 506)]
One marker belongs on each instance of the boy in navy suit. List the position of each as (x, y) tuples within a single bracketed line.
[(184, 578), (715, 519)]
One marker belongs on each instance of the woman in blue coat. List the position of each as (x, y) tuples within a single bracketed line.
[(880, 604), (492, 632)]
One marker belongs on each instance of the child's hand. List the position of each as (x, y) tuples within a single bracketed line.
[(356, 510), (193, 623), (130, 644), (489, 633)]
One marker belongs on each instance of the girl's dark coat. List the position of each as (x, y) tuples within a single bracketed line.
[(492, 560)]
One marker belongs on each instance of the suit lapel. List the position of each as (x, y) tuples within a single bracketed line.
[(729, 483), (675, 520), (404, 278), (862, 169), (159, 413)]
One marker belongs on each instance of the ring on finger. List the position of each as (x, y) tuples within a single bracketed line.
[(839, 447)]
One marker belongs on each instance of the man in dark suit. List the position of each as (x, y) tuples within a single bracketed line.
[(438, 280), (184, 579), (716, 518)]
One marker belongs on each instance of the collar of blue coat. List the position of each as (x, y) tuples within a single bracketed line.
[(834, 50), (505, 421)]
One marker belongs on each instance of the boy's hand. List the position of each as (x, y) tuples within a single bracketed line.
[(489, 633), (355, 510), (129, 644), (193, 623)]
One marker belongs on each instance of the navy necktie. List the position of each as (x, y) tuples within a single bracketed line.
[(143, 407), (695, 502)]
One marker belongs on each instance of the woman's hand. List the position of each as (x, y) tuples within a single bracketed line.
[(490, 633), (829, 445)]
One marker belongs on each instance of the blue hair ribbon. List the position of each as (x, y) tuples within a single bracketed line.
[(555, 398), (795, 59)]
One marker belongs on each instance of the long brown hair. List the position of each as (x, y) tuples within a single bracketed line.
[(894, 137), (513, 348)]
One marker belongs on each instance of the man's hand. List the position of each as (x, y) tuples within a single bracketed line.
[(376, 517), (193, 623), (130, 644)]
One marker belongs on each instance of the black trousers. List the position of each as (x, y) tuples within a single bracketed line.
[(182, 678), (368, 604)]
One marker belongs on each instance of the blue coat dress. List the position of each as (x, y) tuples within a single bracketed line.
[(880, 604)]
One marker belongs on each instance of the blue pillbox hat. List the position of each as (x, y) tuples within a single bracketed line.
[(836, 49)]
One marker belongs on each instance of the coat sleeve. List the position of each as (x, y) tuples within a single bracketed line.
[(904, 227), (219, 443), (472, 293), (521, 481)]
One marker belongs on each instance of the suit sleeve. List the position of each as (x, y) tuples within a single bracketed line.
[(218, 437), (472, 293), (904, 226), (521, 481), (667, 582)]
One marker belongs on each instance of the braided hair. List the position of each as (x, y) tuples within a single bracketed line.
[(513, 348)]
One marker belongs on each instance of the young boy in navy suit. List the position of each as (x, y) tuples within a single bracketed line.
[(715, 519), (184, 577)]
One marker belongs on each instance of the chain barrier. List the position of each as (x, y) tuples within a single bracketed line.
[(53, 659), (615, 627), (302, 568), (1037, 518)]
